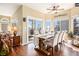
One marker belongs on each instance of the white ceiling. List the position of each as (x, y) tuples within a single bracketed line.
[(8, 9), (43, 6)]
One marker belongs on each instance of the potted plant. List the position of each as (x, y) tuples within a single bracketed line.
[(3, 52), (71, 35), (4, 49)]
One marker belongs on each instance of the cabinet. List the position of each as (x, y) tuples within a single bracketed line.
[(16, 41)]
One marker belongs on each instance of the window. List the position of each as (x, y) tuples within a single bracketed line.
[(38, 26), (47, 25), (64, 25), (76, 25), (4, 23), (4, 27), (56, 25)]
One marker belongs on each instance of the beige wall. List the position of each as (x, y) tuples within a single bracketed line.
[(18, 15), (31, 12), (2, 16), (75, 11)]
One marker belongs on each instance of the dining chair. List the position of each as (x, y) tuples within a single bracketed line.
[(60, 41), (53, 42), (36, 40)]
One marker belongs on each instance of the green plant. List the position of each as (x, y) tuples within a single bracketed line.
[(70, 34), (4, 50)]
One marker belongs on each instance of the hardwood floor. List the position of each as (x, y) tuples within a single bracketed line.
[(28, 50), (69, 51)]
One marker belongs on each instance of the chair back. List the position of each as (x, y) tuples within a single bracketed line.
[(64, 36), (61, 37), (55, 41)]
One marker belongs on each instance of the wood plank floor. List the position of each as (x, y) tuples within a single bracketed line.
[(28, 50)]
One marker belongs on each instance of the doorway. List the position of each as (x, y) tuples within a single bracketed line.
[(34, 27)]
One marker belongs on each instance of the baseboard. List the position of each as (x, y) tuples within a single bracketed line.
[(26, 43)]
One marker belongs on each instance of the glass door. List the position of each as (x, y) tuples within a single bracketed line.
[(30, 30)]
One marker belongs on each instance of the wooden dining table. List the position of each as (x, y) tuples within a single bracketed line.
[(41, 44)]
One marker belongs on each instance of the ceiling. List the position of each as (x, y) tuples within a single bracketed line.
[(42, 7), (8, 9)]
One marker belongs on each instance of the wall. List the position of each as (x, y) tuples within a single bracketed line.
[(75, 11), (2, 16), (18, 16), (27, 11)]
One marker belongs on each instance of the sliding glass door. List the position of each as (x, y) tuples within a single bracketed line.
[(30, 29)]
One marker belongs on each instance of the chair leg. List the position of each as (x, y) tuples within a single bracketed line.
[(52, 51), (60, 45)]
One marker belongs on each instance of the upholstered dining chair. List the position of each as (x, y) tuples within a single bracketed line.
[(36, 40), (60, 41), (53, 42)]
